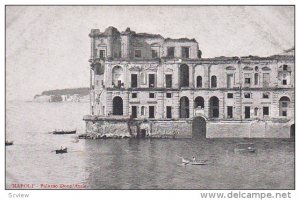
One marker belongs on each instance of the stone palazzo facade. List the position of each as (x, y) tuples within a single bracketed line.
[(145, 85)]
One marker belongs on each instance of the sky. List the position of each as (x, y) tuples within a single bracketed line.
[(47, 47)]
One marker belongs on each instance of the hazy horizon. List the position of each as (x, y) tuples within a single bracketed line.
[(47, 47)]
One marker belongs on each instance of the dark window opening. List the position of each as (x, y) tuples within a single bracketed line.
[(284, 82), (229, 112), (285, 67), (119, 83), (171, 52), (102, 53), (199, 102), (214, 107), (117, 106), (169, 112), (185, 52), (151, 95), (213, 81), (133, 80), (184, 108), (169, 95), (151, 111), (284, 113), (154, 53), (265, 111), (256, 79), (137, 53), (134, 112), (199, 81), (134, 95), (247, 112), (247, 95), (229, 95), (168, 80), (247, 80), (184, 76), (151, 80), (265, 95)]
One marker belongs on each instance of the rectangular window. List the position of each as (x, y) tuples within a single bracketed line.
[(285, 67), (284, 113), (247, 80), (229, 112), (168, 80), (169, 112), (185, 52), (256, 79), (284, 82), (137, 53), (134, 80), (171, 52), (151, 111), (151, 95), (154, 53), (284, 104), (102, 53), (134, 95), (266, 79), (169, 95), (151, 80), (265, 95), (229, 80), (134, 111), (247, 112), (229, 95), (266, 111), (247, 95)]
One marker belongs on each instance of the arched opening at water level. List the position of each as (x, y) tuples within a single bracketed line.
[(199, 127)]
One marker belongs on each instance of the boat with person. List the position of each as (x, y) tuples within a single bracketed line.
[(62, 150), (62, 132), (8, 143), (245, 148)]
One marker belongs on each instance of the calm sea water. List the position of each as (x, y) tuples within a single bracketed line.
[(131, 163)]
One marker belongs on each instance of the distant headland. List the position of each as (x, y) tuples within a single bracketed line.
[(63, 95)]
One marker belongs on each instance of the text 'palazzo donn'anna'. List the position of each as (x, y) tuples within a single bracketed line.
[(145, 85)]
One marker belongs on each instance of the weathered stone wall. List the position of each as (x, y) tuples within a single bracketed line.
[(154, 129), (183, 129), (253, 129)]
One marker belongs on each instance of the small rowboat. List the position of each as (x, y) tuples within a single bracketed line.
[(64, 132), (64, 150), (245, 148), (198, 163), (8, 143)]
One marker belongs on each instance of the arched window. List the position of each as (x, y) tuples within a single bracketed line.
[(284, 103), (214, 107), (256, 79), (199, 102), (199, 81), (117, 106), (117, 76), (213, 81), (184, 107), (184, 75)]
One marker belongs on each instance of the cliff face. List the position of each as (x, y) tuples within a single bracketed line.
[(63, 95)]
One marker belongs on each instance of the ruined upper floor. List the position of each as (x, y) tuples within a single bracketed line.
[(128, 45)]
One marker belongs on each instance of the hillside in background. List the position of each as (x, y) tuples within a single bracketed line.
[(71, 91), (62, 95)]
